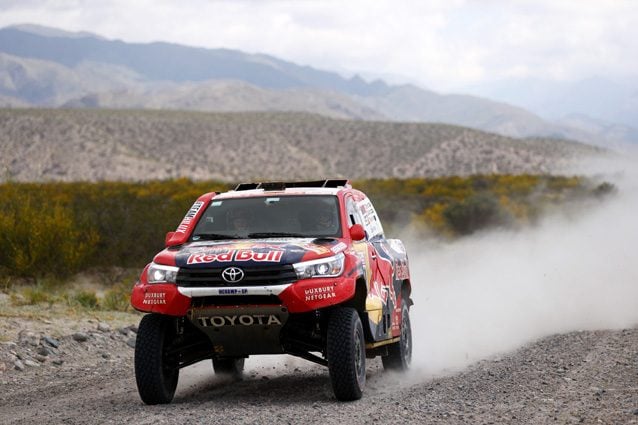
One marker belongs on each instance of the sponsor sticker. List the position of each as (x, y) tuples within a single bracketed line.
[(370, 220), (233, 291), (338, 247), (183, 226), (154, 298), (401, 270), (272, 256), (319, 293)]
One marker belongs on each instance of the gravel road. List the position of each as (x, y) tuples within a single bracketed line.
[(579, 377)]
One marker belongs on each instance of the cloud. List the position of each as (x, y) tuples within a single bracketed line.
[(442, 44)]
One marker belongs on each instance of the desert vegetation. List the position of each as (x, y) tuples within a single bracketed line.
[(450, 207), (56, 230)]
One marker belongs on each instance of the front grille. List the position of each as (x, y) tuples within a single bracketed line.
[(253, 276)]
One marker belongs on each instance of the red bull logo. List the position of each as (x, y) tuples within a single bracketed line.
[(272, 256)]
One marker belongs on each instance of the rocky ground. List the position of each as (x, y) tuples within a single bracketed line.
[(79, 369)]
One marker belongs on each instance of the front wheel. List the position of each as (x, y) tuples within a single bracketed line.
[(400, 353), (156, 372), (346, 354)]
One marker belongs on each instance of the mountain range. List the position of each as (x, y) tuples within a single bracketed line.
[(614, 102), (46, 67)]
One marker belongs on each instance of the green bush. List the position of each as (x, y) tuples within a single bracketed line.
[(475, 213), (33, 295), (117, 298), (58, 229), (42, 236), (86, 299)]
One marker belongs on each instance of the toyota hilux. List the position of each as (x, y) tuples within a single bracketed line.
[(297, 268)]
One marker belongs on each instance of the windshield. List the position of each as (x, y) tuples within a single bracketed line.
[(270, 216)]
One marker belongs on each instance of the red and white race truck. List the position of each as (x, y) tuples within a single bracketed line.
[(298, 268)]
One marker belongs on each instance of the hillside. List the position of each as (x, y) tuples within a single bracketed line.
[(83, 144), (228, 96)]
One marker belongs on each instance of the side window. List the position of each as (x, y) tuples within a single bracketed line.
[(371, 221), (353, 213)]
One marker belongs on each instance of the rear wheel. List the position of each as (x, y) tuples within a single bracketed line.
[(346, 354), (229, 366), (400, 353), (156, 372)]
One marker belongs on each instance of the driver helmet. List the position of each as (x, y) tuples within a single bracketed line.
[(324, 217), (239, 219)]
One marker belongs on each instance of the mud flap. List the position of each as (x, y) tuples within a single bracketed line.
[(241, 331)]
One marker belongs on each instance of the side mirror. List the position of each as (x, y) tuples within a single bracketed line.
[(357, 233), (169, 235)]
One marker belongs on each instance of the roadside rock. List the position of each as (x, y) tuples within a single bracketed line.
[(18, 365), (51, 341), (43, 351), (80, 337), (9, 345), (31, 363), (103, 327), (28, 338)]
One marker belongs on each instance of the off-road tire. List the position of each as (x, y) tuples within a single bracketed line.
[(233, 367), (400, 353), (155, 373), (346, 354)]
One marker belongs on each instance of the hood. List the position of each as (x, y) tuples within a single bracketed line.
[(206, 254)]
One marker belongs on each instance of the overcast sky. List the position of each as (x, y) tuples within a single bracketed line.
[(441, 44)]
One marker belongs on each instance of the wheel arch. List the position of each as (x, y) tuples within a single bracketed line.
[(406, 292), (358, 302)]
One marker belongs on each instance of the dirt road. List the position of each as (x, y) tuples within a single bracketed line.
[(581, 377)]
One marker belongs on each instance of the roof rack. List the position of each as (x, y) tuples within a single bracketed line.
[(332, 183)]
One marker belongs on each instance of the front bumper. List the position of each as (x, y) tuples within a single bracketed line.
[(298, 297)]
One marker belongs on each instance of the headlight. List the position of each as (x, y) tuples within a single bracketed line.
[(325, 267), (160, 274)]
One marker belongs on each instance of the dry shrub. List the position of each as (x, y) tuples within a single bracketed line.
[(57, 229)]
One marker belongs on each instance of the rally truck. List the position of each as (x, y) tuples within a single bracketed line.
[(297, 268)]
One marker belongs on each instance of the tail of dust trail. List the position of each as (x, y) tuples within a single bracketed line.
[(494, 292)]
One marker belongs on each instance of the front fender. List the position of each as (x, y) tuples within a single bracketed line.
[(314, 294), (162, 298)]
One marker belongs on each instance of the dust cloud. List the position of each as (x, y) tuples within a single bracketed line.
[(494, 292), (490, 294)]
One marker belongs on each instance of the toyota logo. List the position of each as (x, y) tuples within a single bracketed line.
[(233, 274)]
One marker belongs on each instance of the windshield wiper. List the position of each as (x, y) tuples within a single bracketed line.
[(216, 236), (276, 235)]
